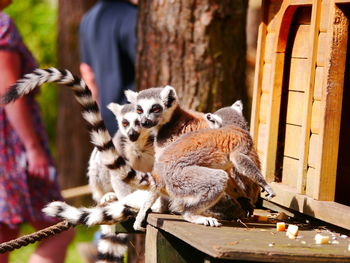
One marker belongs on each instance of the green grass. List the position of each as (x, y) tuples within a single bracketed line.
[(82, 234)]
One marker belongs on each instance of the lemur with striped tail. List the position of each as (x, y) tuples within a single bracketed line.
[(135, 144), (170, 124)]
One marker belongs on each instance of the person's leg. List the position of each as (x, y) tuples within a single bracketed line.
[(7, 234), (53, 249)]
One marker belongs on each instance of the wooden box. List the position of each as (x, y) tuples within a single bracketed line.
[(301, 109)]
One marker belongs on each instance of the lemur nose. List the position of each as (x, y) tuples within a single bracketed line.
[(133, 135), (146, 123)]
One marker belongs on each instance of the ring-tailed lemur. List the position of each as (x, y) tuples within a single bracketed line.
[(172, 123), (159, 109), (135, 144), (193, 171)]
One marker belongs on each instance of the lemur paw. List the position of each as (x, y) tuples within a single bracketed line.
[(269, 192), (107, 198), (203, 220), (138, 226)]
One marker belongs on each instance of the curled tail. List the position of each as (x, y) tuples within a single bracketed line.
[(99, 135)]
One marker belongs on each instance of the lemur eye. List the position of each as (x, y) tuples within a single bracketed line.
[(139, 110), (125, 123), (156, 108)]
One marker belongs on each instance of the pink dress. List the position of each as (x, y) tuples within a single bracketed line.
[(21, 197)]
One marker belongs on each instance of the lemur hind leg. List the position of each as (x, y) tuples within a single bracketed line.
[(245, 166), (199, 188)]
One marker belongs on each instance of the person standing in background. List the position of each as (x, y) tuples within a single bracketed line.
[(108, 48), (108, 51), (27, 174)]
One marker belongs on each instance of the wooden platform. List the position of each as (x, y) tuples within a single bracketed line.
[(170, 239)]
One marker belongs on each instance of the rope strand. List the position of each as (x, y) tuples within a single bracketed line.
[(34, 237)]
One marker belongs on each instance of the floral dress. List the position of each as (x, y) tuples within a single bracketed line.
[(21, 197)]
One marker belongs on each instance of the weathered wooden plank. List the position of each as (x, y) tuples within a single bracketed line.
[(318, 83), (331, 107), (316, 117), (269, 47), (269, 161), (266, 86), (270, 10), (330, 212), (254, 120), (301, 47), (325, 15), (308, 97), (262, 138), (298, 74), (264, 106), (295, 108), (290, 171), (292, 144), (151, 244), (310, 178), (234, 241), (323, 44), (313, 159)]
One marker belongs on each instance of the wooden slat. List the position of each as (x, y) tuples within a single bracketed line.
[(319, 83), (269, 47), (254, 119), (325, 15), (301, 47), (273, 117), (264, 106), (270, 10), (313, 40), (292, 145), (266, 78), (262, 138), (76, 191), (298, 74), (295, 109), (316, 117), (330, 212), (310, 178), (313, 158), (290, 170), (235, 242), (322, 47), (331, 104)]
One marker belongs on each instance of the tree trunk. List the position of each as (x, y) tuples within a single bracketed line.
[(72, 140), (199, 47)]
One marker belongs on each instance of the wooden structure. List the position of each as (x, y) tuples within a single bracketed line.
[(170, 239), (300, 114)]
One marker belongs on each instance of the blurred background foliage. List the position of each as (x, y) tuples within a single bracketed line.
[(37, 22)]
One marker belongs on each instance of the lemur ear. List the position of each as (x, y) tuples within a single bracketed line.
[(209, 117), (168, 96), (131, 96), (115, 108), (238, 106)]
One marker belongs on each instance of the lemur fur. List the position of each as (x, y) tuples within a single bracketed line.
[(194, 170), (158, 109), (135, 144)]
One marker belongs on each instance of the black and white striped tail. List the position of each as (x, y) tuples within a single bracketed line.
[(112, 213), (91, 113), (111, 246)]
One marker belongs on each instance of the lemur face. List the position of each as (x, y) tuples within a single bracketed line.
[(152, 105), (232, 115), (128, 120)]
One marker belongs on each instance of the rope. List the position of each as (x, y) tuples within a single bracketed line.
[(34, 237)]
